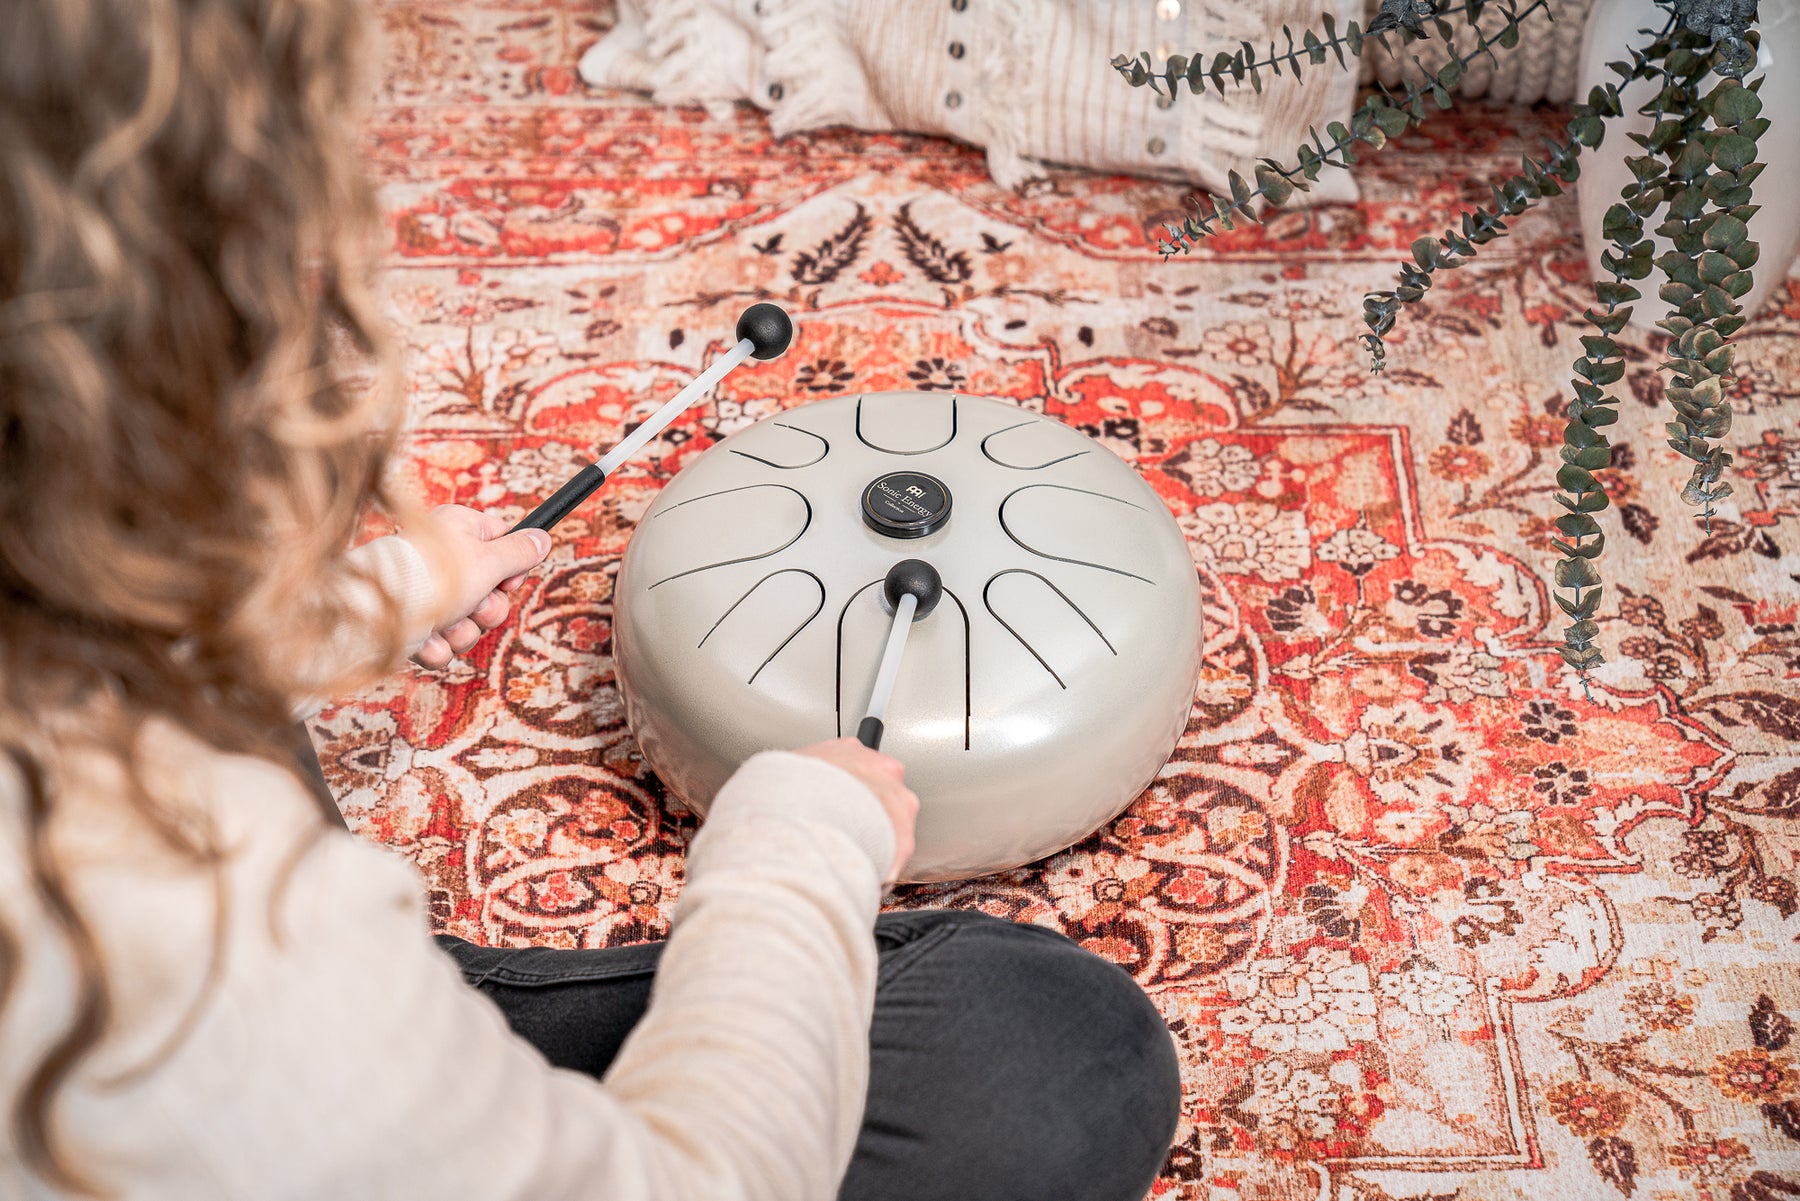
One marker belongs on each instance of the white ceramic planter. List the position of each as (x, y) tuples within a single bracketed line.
[(1613, 26)]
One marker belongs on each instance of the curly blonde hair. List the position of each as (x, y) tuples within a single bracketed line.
[(186, 243)]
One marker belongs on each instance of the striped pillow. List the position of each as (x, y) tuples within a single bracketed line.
[(1029, 81)]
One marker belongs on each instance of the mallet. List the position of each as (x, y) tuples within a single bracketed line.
[(763, 331), (912, 589)]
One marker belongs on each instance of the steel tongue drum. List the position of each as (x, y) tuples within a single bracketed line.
[(995, 599)]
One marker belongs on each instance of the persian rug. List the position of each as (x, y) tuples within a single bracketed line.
[(1424, 919)]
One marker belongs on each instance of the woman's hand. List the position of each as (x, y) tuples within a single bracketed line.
[(884, 777), (478, 566)]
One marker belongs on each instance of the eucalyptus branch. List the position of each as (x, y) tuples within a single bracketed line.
[(1708, 270), (1586, 449), (1381, 117), (1538, 178), (1690, 183), (1452, 249), (1242, 64)]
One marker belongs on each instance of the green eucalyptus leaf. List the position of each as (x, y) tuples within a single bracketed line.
[(1573, 479), (1582, 660), (1724, 192), (1701, 341), (1698, 492), (1576, 573), (1593, 458), (1590, 502), (1610, 292), (1687, 203), (1586, 550), (1608, 323), (1577, 525), (1240, 191), (1680, 268), (1393, 121), (1675, 294), (1733, 152), (1620, 224), (1733, 104), (1693, 161), (1273, 184), (1331, 37), (1581, 436), (1725, 231), (1662, 134)]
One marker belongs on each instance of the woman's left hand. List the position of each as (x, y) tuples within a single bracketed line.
[(483, 564)]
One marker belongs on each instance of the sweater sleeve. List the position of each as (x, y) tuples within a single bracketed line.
[(389, 567), (347, 1058)]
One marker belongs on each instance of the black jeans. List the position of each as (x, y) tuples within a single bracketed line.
[(1006, 1062)]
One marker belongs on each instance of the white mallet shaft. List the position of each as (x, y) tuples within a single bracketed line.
[(659, 420), (764, 331), (890, 657)]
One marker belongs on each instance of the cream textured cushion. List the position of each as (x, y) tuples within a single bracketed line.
[(1029, 81), (1545, 65)]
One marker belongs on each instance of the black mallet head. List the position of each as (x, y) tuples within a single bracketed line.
[(917, 578), (768, 328)]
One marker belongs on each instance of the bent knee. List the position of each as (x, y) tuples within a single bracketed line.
[(1062, 1043)]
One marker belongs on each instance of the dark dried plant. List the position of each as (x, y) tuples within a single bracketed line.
[(1691, 182)]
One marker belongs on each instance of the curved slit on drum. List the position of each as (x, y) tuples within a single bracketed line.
[(837, 687), (989, 455), (806, 525), (796, 631), (1022, 642), (742, 454), (927, 450), (968, 671), (1130, 575)]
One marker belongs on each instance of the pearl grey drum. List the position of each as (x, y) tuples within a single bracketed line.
[(1050, 651)]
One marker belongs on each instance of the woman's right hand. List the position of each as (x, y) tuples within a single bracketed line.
[(884, 777)]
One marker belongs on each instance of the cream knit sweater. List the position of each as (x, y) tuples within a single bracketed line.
[(339, 1055)]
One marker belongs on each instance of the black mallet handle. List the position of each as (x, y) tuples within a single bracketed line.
[(764, 332)]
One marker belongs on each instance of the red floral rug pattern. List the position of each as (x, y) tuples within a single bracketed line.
[(1424, 919)]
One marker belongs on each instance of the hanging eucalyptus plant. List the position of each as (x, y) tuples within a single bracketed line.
[(1691, 183)]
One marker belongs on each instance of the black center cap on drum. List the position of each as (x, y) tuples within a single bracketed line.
[(905, 504)]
